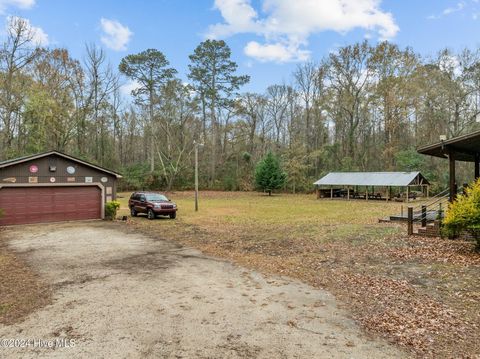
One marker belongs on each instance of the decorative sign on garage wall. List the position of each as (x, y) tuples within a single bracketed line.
[(70, 179), (32, 179), (104, 179), (33, 169), (52, 179), (70, 170), (10, 179), (88, 179)]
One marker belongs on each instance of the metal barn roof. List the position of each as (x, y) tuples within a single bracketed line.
[(373, 179)]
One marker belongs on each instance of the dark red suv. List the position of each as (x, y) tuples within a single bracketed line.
[(151, 203)]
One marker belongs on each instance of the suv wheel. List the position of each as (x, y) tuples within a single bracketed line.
[(173, 215), (133, 212), (150, 214)]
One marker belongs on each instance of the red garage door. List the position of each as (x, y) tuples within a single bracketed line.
[(49, 204)]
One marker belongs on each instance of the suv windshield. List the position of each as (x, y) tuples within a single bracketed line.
[(156, 197)]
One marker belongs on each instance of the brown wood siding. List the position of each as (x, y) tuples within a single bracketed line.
[(22, 205), (20, 172)]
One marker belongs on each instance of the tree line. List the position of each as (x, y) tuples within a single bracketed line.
[(362, 107)]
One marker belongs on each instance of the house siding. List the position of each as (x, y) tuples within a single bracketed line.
[(20, 174)]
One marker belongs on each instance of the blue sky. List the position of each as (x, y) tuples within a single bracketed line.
[(268, 37)]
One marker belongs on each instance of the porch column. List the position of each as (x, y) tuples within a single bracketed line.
[(477, 165), (452, 183)]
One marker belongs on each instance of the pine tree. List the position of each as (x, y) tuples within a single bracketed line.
[(212, 73), (269, 174)]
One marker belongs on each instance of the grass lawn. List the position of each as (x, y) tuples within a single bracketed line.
[(423, 294)]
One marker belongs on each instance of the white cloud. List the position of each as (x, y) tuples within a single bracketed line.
[(450, 63), (459, 6), (451, 10), (38, 35), (287, 25), (276, 52), (116, 36), (22, 4), (127, 88), (239, 16)]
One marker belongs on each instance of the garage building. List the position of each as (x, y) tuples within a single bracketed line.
[(52, 187)]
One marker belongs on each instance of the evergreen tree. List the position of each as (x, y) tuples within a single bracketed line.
[(212, 73), (269, 174), (150, 70)]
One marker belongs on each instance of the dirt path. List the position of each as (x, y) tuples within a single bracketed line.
[(122, 294)]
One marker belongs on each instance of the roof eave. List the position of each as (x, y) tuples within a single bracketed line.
[(440, 149), (45, 154)]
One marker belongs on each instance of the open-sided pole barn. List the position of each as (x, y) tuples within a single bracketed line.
[(352, 180)]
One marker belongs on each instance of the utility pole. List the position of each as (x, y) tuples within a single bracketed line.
[(195, 144)]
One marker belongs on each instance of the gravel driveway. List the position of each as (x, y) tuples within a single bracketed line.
[(120, 294)]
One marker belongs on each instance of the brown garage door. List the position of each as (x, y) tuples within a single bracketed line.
[(49, 204)]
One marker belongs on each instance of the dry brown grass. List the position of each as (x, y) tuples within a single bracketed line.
[(21, 289), (423, 294)]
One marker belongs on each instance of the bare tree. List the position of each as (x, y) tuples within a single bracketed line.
[(101, 83), (18, 51)]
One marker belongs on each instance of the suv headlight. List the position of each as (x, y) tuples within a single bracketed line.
[(158, 205), (174, 205)]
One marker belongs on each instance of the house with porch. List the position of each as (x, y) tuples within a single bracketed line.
[(465, 148)]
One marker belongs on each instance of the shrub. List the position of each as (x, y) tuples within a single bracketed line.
[(111, 209), (464, 214)]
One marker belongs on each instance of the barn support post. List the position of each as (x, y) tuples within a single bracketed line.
[(452, 183), (331, 192), (424, 216), (317, 192), (388, 193), (410, 221), (408, 193), (366, 193), (477, 166), (348, 193)]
